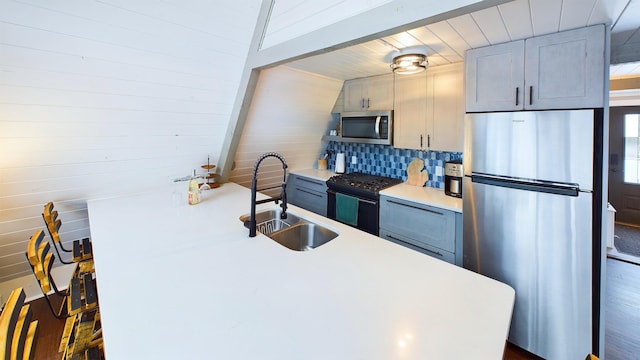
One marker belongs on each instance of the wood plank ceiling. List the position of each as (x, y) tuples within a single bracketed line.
[(446, 41)]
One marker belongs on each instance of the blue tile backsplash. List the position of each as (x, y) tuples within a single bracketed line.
[(385, 160)]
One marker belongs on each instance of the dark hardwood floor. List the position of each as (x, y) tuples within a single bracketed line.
[(622, 319), (622, 316), (49, 331)]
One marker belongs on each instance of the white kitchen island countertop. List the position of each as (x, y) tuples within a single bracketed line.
[(425, 195), (187, 282)]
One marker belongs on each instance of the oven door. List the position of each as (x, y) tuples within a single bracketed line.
[(368, 212)]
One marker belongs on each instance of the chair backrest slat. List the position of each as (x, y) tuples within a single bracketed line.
[(54, 228), (33, 246), (17, 331), (43, 253), (20, 332), (45, 283), (46, 214), (8, 321), (41, 260)]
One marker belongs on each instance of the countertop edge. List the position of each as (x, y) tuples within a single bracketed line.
[(424, 195), (322, 175)]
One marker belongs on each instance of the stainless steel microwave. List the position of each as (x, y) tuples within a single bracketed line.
[(370, 127)]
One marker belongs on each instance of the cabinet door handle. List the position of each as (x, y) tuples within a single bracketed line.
[(408, 243), (308, 192), (517, 95), (415, 207), (429, 141), (433, 252), (310, 181), (420, 141), (368, 103), (530, 95), (362, 103)]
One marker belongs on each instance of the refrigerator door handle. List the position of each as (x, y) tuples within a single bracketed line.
[(537, 186)]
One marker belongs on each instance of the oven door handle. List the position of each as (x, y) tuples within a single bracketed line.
[(331, 192)]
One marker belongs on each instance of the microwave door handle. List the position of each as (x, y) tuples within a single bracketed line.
[(378, 127)]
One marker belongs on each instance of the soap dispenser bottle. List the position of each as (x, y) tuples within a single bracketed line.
[(194, 190), (340, 163)]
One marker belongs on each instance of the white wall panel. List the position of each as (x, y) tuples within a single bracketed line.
[(290, 112), (107, 98)]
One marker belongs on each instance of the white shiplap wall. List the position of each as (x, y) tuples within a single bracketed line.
[(102, 98), (290, 112)]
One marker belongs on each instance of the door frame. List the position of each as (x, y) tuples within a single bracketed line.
[(618, 190)]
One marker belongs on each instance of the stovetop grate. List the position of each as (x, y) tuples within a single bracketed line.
[(360, 184)]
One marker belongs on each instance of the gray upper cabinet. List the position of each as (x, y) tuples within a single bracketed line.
[(372, 93), (495, 77), (564, 70), (429, 109)]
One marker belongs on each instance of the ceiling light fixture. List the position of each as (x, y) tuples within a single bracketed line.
[(409, 63)]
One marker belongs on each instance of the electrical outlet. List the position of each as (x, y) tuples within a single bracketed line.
[(354, 160)]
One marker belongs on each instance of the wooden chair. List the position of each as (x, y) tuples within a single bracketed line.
[(17, 331), (82, 337), (81, 294), (81, 250)]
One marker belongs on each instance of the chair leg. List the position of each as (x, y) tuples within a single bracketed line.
[(51, 236), (60, 256), (63, 248), (60, 314)]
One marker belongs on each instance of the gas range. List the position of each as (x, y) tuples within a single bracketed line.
[(360, 184)]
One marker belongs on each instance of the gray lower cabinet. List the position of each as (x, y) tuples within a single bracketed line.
[(307, 193), (430, 230)]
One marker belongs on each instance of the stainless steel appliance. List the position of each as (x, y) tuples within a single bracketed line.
[(365, 188), (453, 173), (371, 127), (532, 213)]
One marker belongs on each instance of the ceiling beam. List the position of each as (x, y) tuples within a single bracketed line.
[(389, 19), (244, 96), (625, 53), (630, 83)]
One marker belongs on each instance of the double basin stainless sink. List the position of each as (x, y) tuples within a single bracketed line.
[(293, 232)]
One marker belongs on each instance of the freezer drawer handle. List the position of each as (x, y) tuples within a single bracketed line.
[(529, 186)]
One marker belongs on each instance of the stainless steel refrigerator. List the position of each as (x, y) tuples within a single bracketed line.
[(531, 207)]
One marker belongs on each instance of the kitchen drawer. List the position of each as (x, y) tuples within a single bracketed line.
[(307, 193), (420, 247), (425, 225)]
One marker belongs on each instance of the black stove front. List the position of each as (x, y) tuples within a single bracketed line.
[(365, 188)]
